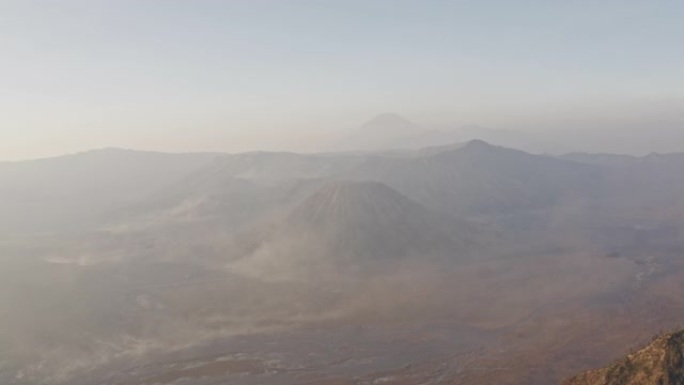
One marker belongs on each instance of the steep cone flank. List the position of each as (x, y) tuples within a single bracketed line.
[(348, 203), (369, 219)]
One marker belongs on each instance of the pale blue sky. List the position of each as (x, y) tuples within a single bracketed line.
[(234, 75)]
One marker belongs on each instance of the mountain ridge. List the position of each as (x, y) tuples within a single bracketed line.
[(660, 363)]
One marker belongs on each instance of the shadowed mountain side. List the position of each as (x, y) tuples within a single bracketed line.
[(654, 180), (238, 190), (275, 167), (479, 178), (216, 200), (71, 191)]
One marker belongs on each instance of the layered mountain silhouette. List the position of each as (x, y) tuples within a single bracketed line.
[(72, 191), (480, 178), (516, 190), (220, 241), (393, 132), (661, 363)]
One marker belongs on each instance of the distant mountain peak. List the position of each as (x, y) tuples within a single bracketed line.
[(378, 133), (478, 143), (388, 118), (390, 122)]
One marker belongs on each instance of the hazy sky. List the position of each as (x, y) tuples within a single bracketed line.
[(243, 74)]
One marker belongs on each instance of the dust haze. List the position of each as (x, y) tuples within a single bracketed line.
[(355, 192), (122, 266)]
